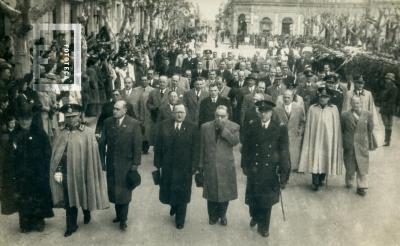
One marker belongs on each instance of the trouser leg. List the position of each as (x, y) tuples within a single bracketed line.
[(123, 212), (253, 211), (222, 208), (116, 206), (361, 180), (212, 208), (349, 179), (263, 218), (71, 217), (322, 177), (24, 222), (315, 179), (180, 215)]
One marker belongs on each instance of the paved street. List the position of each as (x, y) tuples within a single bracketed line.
[(332, 216)]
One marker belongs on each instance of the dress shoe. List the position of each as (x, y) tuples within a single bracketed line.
[(224, 221), (116, 220), (361, 192), (172, 211), (123, 226), (39, 227), (349, 186), (212, 221), (315, 187), (25, 230), (69, 231), (179, 226), (262, 232), (86, 219), (386, 144), (253, 222)]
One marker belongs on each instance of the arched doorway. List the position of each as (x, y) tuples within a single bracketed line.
[(287, 25), (266, 25), (242, 27)]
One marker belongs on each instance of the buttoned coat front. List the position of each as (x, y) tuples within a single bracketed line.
[(295, 122), (356, 137), (120, 149), (264, 157), (217, 161)]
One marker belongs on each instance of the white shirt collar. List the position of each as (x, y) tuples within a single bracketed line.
[(265, 124), (214, 99), (120, 120)]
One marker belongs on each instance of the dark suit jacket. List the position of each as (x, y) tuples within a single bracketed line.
[(155, 101), (176, 153), (189, 64), (164, 113), (265, 155), (120, 148), (207, 109), (193, 104), (196, 74)]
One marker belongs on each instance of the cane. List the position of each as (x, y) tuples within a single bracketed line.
[(281, 199), (283, 210)]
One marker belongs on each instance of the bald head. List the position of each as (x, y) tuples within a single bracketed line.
[(120, 109)]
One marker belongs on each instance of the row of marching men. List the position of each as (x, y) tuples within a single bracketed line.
[(181, 150)]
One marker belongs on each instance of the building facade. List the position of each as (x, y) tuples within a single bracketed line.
[(288, 16)]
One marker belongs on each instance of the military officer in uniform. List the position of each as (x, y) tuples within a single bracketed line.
[(78, 179), (265, 162)]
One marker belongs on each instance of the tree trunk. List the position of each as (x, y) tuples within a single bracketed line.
[(22, 56), (146, 28), (152, 26)]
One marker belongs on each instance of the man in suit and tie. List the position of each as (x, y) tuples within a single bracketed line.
[(120, 150), (237, 95), (131, 95), (174, 86), (209, 104), (217, 164), (357, 127), (176, 154), (166, 109), (241, 80), (192, 99), (248, 100), (199, 71), (157, 97), (222, 87), (226, 74), (277, 88), (190, 62), (211, 77), (293, 116), (150, 76)]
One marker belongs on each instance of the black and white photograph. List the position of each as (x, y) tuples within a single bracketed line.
[(200, 122)]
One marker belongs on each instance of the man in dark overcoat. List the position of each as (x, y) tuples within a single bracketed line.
[(176, 154), (217, 164), (388, 105), (120, 150), (265, 162)]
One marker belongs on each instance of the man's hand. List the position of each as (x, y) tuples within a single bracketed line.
[(58, 177), (220, 124)]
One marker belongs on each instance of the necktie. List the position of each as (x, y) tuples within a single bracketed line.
[(161, 94), (208, 64), (177, 127), (198, 95)]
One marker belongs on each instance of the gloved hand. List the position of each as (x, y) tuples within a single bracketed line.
[(58, 177)]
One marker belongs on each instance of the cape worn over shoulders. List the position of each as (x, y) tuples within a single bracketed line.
[(87, 188), (322, 145)]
